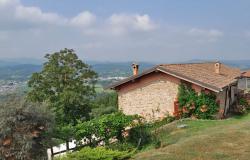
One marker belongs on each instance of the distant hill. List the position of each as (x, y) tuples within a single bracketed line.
[(22, 69), (19, 61), (19, 72), (242, 64), (122, 69)]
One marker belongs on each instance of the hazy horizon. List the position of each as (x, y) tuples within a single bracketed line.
[(161, 31), (27, 60)]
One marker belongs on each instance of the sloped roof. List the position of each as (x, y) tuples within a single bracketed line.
[(246, 74), (202, 74)]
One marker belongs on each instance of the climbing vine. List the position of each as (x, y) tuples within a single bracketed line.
[(192, 104)]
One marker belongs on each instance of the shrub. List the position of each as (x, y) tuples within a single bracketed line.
[(24, 130), (104, 128), (242, 107), (206, 106), (98, 153), (140, 135), (243, 102), (201, 106)]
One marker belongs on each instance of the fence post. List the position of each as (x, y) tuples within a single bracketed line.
[(51, 153), (67, 145)]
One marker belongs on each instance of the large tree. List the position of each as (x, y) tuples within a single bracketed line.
[(66, 84)]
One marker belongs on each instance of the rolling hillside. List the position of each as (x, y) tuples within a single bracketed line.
[(202, 140)]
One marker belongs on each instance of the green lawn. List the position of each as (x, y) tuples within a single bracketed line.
[(202, 140)]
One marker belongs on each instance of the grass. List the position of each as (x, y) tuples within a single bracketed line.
[(202, 140)]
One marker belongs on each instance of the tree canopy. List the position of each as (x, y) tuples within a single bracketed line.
[(66, 84)]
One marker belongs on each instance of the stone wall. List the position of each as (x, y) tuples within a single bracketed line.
[(152, 100)]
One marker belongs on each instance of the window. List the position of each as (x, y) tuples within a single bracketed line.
[(248, 82)]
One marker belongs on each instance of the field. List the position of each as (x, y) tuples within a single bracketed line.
[(202, 140)]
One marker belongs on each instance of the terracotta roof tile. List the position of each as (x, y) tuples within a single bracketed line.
[(246, 74), (202, 74), (205, 72)]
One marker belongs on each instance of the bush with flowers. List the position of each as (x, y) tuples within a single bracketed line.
[(192, 104)]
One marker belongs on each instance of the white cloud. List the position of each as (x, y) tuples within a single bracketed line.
[(35, 15), (211, 34), (83, 19), (122, 23), (7, 3), (144, 23), (12, 11)]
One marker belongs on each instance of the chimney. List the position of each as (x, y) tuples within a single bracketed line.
[(217, 67), (135, 68)]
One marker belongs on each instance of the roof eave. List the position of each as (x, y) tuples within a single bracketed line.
[(115, 85), (180, 76), (161, 69)]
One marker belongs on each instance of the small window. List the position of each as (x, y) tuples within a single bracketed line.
[(248, 83)]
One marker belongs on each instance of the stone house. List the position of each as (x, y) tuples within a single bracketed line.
[(244, 81), (153, 92)]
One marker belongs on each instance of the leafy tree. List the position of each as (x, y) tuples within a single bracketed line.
[(104, 103), (66, 84), (25, 130)]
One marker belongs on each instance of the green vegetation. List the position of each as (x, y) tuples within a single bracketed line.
[(105, 127), (66, 84), (201, 139), (25, 130), (98, 153), (243, 102), (142, 134), (192, 104), (104, 103), (124, 142)]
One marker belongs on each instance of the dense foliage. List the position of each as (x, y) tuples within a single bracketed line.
[(104, 103), (25, 130), (243, 102), (66, 84), (201, 105), (98, 153), (103, 128)]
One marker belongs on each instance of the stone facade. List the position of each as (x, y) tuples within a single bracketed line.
[(152, 97), (152, 101)]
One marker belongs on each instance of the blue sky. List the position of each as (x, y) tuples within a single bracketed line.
[(126, 30)]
